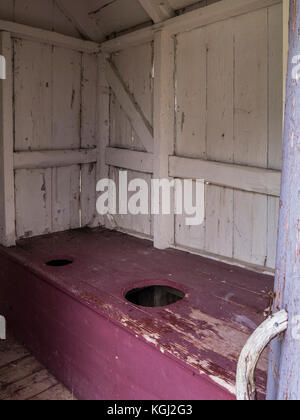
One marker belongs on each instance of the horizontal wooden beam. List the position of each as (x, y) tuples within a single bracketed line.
[(48, 37), (53, 158), (132, 39), (129, 159), (246, 178), (203, 16), (127, 102)]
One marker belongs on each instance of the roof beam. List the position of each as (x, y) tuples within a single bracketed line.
[(198, 18), (77, 13), (158, 10)]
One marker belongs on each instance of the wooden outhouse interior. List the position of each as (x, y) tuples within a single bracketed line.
[(178, 89)]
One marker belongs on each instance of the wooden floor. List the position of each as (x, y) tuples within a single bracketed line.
[(22, 377)]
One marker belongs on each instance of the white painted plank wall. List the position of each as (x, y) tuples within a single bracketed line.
[(135, 66), (228, 109), (251, 132), (55, 109)]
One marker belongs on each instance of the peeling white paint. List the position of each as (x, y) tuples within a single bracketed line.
[(223, 384), (150, 339)]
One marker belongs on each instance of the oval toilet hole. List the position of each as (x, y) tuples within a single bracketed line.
[(59, 263), (154, 296)]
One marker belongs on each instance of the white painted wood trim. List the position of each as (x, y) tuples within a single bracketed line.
[(40, 35), (164, 128), (134, 114), (246, 178), (129, 159), (262, 336), (195, 19), (7, 189), (158, 10), (53, 158)]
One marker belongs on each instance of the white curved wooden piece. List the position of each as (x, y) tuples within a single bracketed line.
[(262, 336)]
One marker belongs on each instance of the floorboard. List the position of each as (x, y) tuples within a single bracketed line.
[(22, 377)]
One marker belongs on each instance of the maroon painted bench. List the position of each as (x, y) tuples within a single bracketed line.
[(76, 320)]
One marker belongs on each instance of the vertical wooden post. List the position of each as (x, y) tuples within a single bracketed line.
[(7, 197), (284, 371), (103, 97), (164, 127)]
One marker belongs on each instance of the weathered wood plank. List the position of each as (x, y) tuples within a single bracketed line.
[(65, 198), (251, 89), (190, 237), (7, 195), (137, 119), (55, 393), (129, 159), (88, 194), (250, 228), (28, 387), (53, 158), (251, 132), (89, 78), (66, 104), (33, 202), (191, 97), (18, 373), (220, 92), (33, 95), (11, 351), (220, 134), (219, 221), (48, 37), (262, 181), (89, 116), (140, 224), (18, 370), (164, 132), (135, 66), (103, 129)]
